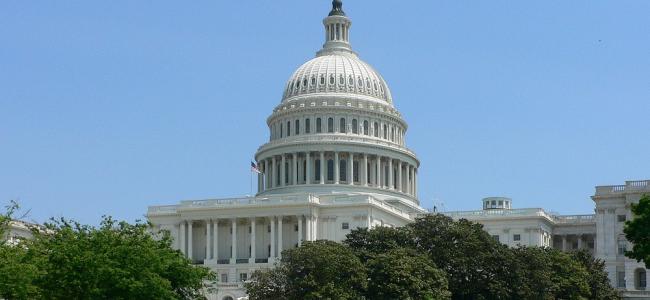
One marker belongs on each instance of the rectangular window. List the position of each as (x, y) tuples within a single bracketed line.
[(517, 237), (495, 237), (307, 125), (622, 247), (620, 279), (224, 278), (643, 283), (295, 228), (317, 169), (621, 218), (243, 277), (345, 225), (268, 228)]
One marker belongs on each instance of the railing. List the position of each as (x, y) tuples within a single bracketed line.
[(333, 137), (635, 185), (579, 219), (241, 261), (162, 209), (499, 212)]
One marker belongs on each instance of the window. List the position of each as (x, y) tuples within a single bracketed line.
[(250, 229), (330, 170), (286, 173), (317, 169), (343, 170), (365, 127), (621, 218), (355, 176), (330, 125), (307, 125), (268, 250), (268, 228), (318, 125), (281, 130), (495, 237), (342, 128), (385, 132), (516, 237), (620, 279), (500, 203), (332, 80), (288, 128), (622, 247), (392, 134), (376, 130), (355, 126), (304, 83), (224, 278), (359, 82), (341, 80), (304, 167), (643, 282), (345, 225), (295, 228), (350, 80), (297, 127), (313, 81), (243, 277), (322, 80)]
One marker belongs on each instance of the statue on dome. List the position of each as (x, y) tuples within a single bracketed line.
[(337, 8)]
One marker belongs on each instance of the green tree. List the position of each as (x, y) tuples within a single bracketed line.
[(17, 270), (599, 285), (637, 231), (475, 263), (316, 270), (405, 274)]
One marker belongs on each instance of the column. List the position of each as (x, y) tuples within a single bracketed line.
[(253, 254), (260, 181), (399, 176), (308, 230), (266, 174), (233, 228), (314, 228), (391, 183), (283, 170), (272, 254), (308, 171), (280, 241), (294, 175), (415, 181), (299, 230), (274, 164), (215, 239), (408, 179), (208, 234), (564, 243), (378, 176), (182, 238), (373, 177), (351, 169), (322, 167), (579, 241), (364, 168), (336, 168), (189, 240)]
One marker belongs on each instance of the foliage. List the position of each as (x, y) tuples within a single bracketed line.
[(599, 286), (637, 231), (118, 260), (471, 258), (405, 274), (316, 270)]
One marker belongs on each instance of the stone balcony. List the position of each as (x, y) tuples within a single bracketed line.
[(629, 186)]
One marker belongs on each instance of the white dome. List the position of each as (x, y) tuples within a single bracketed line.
[(337, 72)]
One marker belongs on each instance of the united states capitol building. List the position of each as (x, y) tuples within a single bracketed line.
[(336, 159)]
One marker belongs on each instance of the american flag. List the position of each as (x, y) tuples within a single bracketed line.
[(255, 168)]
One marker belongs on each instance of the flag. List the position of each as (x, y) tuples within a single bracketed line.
[(255, 168)]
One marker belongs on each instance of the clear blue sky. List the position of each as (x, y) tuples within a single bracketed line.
[(107, 107)]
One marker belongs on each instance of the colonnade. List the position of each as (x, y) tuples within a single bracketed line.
[(581, 240), (306, 230), (358, 169)]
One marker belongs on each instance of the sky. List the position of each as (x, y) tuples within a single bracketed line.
[(108, 107)]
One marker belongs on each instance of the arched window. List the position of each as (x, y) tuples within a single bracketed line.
[(318, 125), (350, 80), (341, 80), (281, 130), (332, 80), (304, 83), (355, 126), (392, 134), (385, 132), (376, 130), (317, 170), (342, 170), (330, 170), (297, 127), (330, 125), (322, 80), (342, 128), (288, 128), (313, 81), (365, 127), (307, 125)]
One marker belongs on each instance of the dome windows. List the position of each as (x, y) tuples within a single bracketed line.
[(350, 81), (341, 80), (355, 128), (313, 81), (332, 80), (322, 80)]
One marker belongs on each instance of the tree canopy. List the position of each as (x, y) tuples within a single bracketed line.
[(637, 231), (117, 260)]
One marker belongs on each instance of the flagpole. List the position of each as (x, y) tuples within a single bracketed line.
[(251, 183)]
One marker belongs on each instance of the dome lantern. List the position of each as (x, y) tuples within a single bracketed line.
[(337, 30)]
